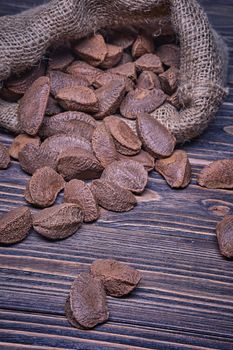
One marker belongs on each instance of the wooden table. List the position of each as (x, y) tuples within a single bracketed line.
[(185, 300)]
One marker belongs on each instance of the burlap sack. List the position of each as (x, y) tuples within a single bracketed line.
[(24, 39)]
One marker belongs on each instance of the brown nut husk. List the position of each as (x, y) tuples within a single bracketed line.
[(224, 231), (128, 70), (33, 105), (15, 225), (109, 98), (32, 157), (113, 56), (128, 174), (69, 315), (20, 141), (142, 157), (169, 80), (103, 146), (88, 301), (148, 80), (44, 186), (60, 80), (53, 146), (106, 77), (118, 278), (156, 139), (142, 45), (78, 123), (76, 191), (78, 98), (112, 197), (176, 169), (218, 174), (59, 221), (20, 84), (84, 70), (141, 101), (92, 50), (126, 141), (149, 62), (77, 163)]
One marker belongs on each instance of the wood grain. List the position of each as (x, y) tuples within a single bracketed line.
[(185, 300)]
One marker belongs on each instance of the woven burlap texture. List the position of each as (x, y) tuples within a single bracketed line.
[(24, 38)]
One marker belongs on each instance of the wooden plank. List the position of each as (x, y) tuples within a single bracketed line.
[(185, 300), (120, 336)]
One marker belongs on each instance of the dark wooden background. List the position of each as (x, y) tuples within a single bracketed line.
[(185, 300)]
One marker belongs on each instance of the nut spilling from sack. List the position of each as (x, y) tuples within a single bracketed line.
[(197, 89)]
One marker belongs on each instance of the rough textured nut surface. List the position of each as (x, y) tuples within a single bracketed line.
[(176, 169), (20, 84), (128, 174), (19, 142), (106, 77), (125, 139), (69, 315), (68, 122), (54, 145), (112, 197), (114, 55), (169, 80), (103, 146), (76, 191), (169, 55), (119, 279), (78, 98), (128, 70), (149, 62), (93, 50), (77, 163), (30, 158), (15, 225), (218, 174), (60, 80), (224, 231), (142, 157), (88, 301), (156, 139), (141, 101), (142, 45), (33, 105), (44, 186), (148, 80), (59, 221), (4, 157), (84, 70), (110, 97)]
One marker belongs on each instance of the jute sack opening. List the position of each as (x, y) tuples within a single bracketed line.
[(24, 38)]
